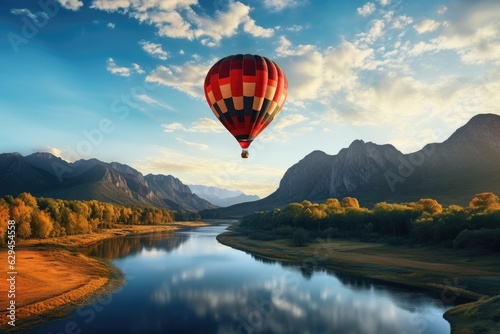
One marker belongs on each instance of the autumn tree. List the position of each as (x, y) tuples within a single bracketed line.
[(81, 225), (4, 218), (485, 201), (41, 224), (332, 203), (21, 212), (428, 205), (350, 202), (28, 199)]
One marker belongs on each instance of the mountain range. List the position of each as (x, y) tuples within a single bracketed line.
[(222, 197), (452, 172), (43, 174)]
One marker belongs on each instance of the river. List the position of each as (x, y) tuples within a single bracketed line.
[(187, 282)]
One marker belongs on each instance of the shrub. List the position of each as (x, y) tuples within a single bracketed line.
[(300, 237), (485, 238)]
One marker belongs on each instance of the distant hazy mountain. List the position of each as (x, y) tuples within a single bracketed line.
[(222, 197), (468, 162), (43, 174)]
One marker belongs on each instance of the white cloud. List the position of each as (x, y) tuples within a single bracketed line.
[(122, 71), (294, 28), (71, 4), (34, 16), (289, 120), (342, 64), (384, 2), (256, 31), (422, 47), (225, 24), (376, 31), (312, 74), (152, 101), (206, 125), (154, 49), (137, 68), (169, 23), (401, 21), (472, 29), (178, 19), (115, 69), (305, 75), (187, 78), (442, 9), (172, 127), (426, 25), (197, 145), (54, 151), (278, 5), (111, 25), (285, 48), (110, 5), (367, 9), (202, 125)]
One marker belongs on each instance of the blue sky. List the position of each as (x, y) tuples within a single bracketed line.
[(123, 80)]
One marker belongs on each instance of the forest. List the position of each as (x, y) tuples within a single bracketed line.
[(47, 217), (424, 222)]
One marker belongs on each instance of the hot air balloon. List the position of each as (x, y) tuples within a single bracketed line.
[(245, 92)]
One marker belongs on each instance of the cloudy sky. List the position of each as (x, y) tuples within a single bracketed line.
[(123, 80)]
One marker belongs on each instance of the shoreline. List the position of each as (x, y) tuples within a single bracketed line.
[(42, 297), (469, 286), (118, 230)]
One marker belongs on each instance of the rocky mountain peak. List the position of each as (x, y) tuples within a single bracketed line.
[(481, 130)]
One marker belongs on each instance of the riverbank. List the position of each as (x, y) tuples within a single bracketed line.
[(450, 275), (118, 230), (50, 282), (53, 278)]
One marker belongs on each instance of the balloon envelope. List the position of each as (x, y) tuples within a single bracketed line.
[(245, 92)]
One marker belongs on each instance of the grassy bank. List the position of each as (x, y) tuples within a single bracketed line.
[(482, 316), (53, 278), (448, 274)]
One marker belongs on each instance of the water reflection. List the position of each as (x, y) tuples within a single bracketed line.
[(193, 284), (148, 244)]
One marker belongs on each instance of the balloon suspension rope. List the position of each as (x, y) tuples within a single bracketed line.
[(244, 154)]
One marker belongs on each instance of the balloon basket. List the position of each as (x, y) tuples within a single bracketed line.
[(244, 154)]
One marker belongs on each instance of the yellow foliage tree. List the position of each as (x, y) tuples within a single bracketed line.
[(41, 225), (350, 202), (485, 201), (429, 205), (332, 203), (4, 219)]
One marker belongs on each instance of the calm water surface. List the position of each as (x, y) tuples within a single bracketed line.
[(187, 282)]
